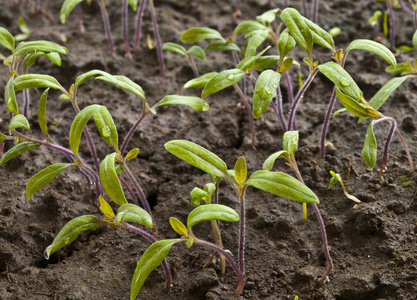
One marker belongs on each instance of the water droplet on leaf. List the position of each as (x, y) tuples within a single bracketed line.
[(344, 82), (105, 131), (67, 240), (230, 77)]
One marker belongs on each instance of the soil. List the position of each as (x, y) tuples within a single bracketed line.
[(373, 245)]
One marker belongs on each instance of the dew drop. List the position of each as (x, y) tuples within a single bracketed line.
[(344, 82), (268, 92), (274, 86), (105, 131), (231, 77), (67, 240), (9, 100), (206, 107)]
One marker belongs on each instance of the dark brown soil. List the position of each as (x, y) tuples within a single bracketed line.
[(373, 245)]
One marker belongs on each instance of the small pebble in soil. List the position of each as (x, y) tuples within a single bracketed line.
[(408, 124)]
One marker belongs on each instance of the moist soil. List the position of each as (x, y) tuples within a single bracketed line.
[(372, 244)]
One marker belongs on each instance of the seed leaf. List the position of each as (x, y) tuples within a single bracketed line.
[(53, 57), (42, 112), (268, 17), (320, 36), (19, 121), (201, 81), (42, 178), (178, 227), (269, 162), (125, 83), (152, 257), (70, 232), (200, 33), (132, 213), (253, 40), (173, 47), (38, 46), (34, 81), (374, 47), (222, 46), (341, 79), (198, 156), (110, 181), (351, 105), (106, 209), (222, 81), (241, 171), (299, 30), (248, 27), (78, 125), (17, 150), (197, 51), (106, 127), (84, 77), (369, 151), (282, 185), (285, 43), (193, 102), (383, 94), (10, 97), (67, 8), (265, 91), (132, 154), (209, 212), (6, 39), (290, 142)]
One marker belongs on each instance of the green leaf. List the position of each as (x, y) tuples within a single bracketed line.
[(334, 179), (320, 36), (53, 57), (222, 81), (286, 65), (17, 150), (42, 178), (84, 77), (200, 33), (10, 97), (67, 8), (210, 212), (403, 68), (290, 142), (263, 62), (19, 121), (248, 26), (193, 102), (132, 154), (282, 185), (42, 112), (222, 46), (125, 83), (338, 112), (71, 231), (383, 94), (178, 227), (265, 91), (106, 209), (106, 127), (268, 17), (197, 51), (374, 19), (351, 105), (374, 47), (198, 156), (253, 40), (285, 43), (110, 181), (269, 162), (197, 195), (6, 39), (341, 79), (132, 213), (2, 137), (201, 81), (23, 26), (38, 46), (415, 39), (173, 47), (152, 257), (369, 151), (78, 125), (299, 30), (133, 4), (34, 81), (248, 64), (241, 171)]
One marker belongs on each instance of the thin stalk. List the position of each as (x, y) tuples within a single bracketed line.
[(243, 82), (290, 124), (153, 240), (158, 42), (285, 4), (326, 124), (241, 278), (242, 232), (315, 11), (124, 27), (1, 149), (133, 128), (290, 89), (305, 8), (138, 30), (80, 27), (219, 242), (249, 110), (407, 152), (26, 101), (132, 194), (391, 131), (106, 25), (392, 23), (193, 66), (277, 107), (405, 8), (238, 12)]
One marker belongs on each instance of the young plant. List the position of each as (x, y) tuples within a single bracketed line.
[(337, 178), (195, 50), (276, 183)]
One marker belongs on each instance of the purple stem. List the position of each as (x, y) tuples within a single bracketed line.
[(277, 107), (290, 89), (405, 8), (242, 233), (290, 124), (410, 160), (392, 23), (238, 11), (139, 17), (315, 10), (80, 26), (326, 124), (153, 240), (1, 149), (391, 131), (132, 130), (26, 101), (158, 42), (241, 278), (132, 194), (193, 66), (124, 27), (106, 25), (249, 110), (285, 4), (305, 8)]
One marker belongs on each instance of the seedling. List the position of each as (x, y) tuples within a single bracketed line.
[(337, 178), (195, 50)]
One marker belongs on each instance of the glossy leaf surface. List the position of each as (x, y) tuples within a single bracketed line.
[(42, 112), (285, 43), (67, 8), (299, 30), (38, 46), (132, 213), (269, 162), (193, 102), (374, 47), (200, 33), (125, 83), (17, 150), (222, 46), (174, 47), (222, 81), (320, 36), (34, 81), (265, 91), (201, 81), (6, 39), (110, 181), (369, 151), (351, 105), (290, 142), (178, 226), (19, 121), (78, 125), (106, 126), (10, 97), (106, 209), (241, 171), (197, 51), (209, 212)]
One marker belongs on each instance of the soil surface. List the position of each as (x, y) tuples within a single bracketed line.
[(373, 245)]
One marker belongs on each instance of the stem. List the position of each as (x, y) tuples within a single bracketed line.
[(158, 42), (219, 242), (132, 129), (410, 160), (290, 90), (132, 194), (405, 8), (238, 12), (285, 4), (290, 124), (153, 240), (249, 110), (326, 124), (139, 17), (241, 279), (242, 232), (277, 107), (124, 27), (305, 9), (106, 25), (80, 27), (315, 10), (193, 66), (392, 23), (26, 101), (387, 141)]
